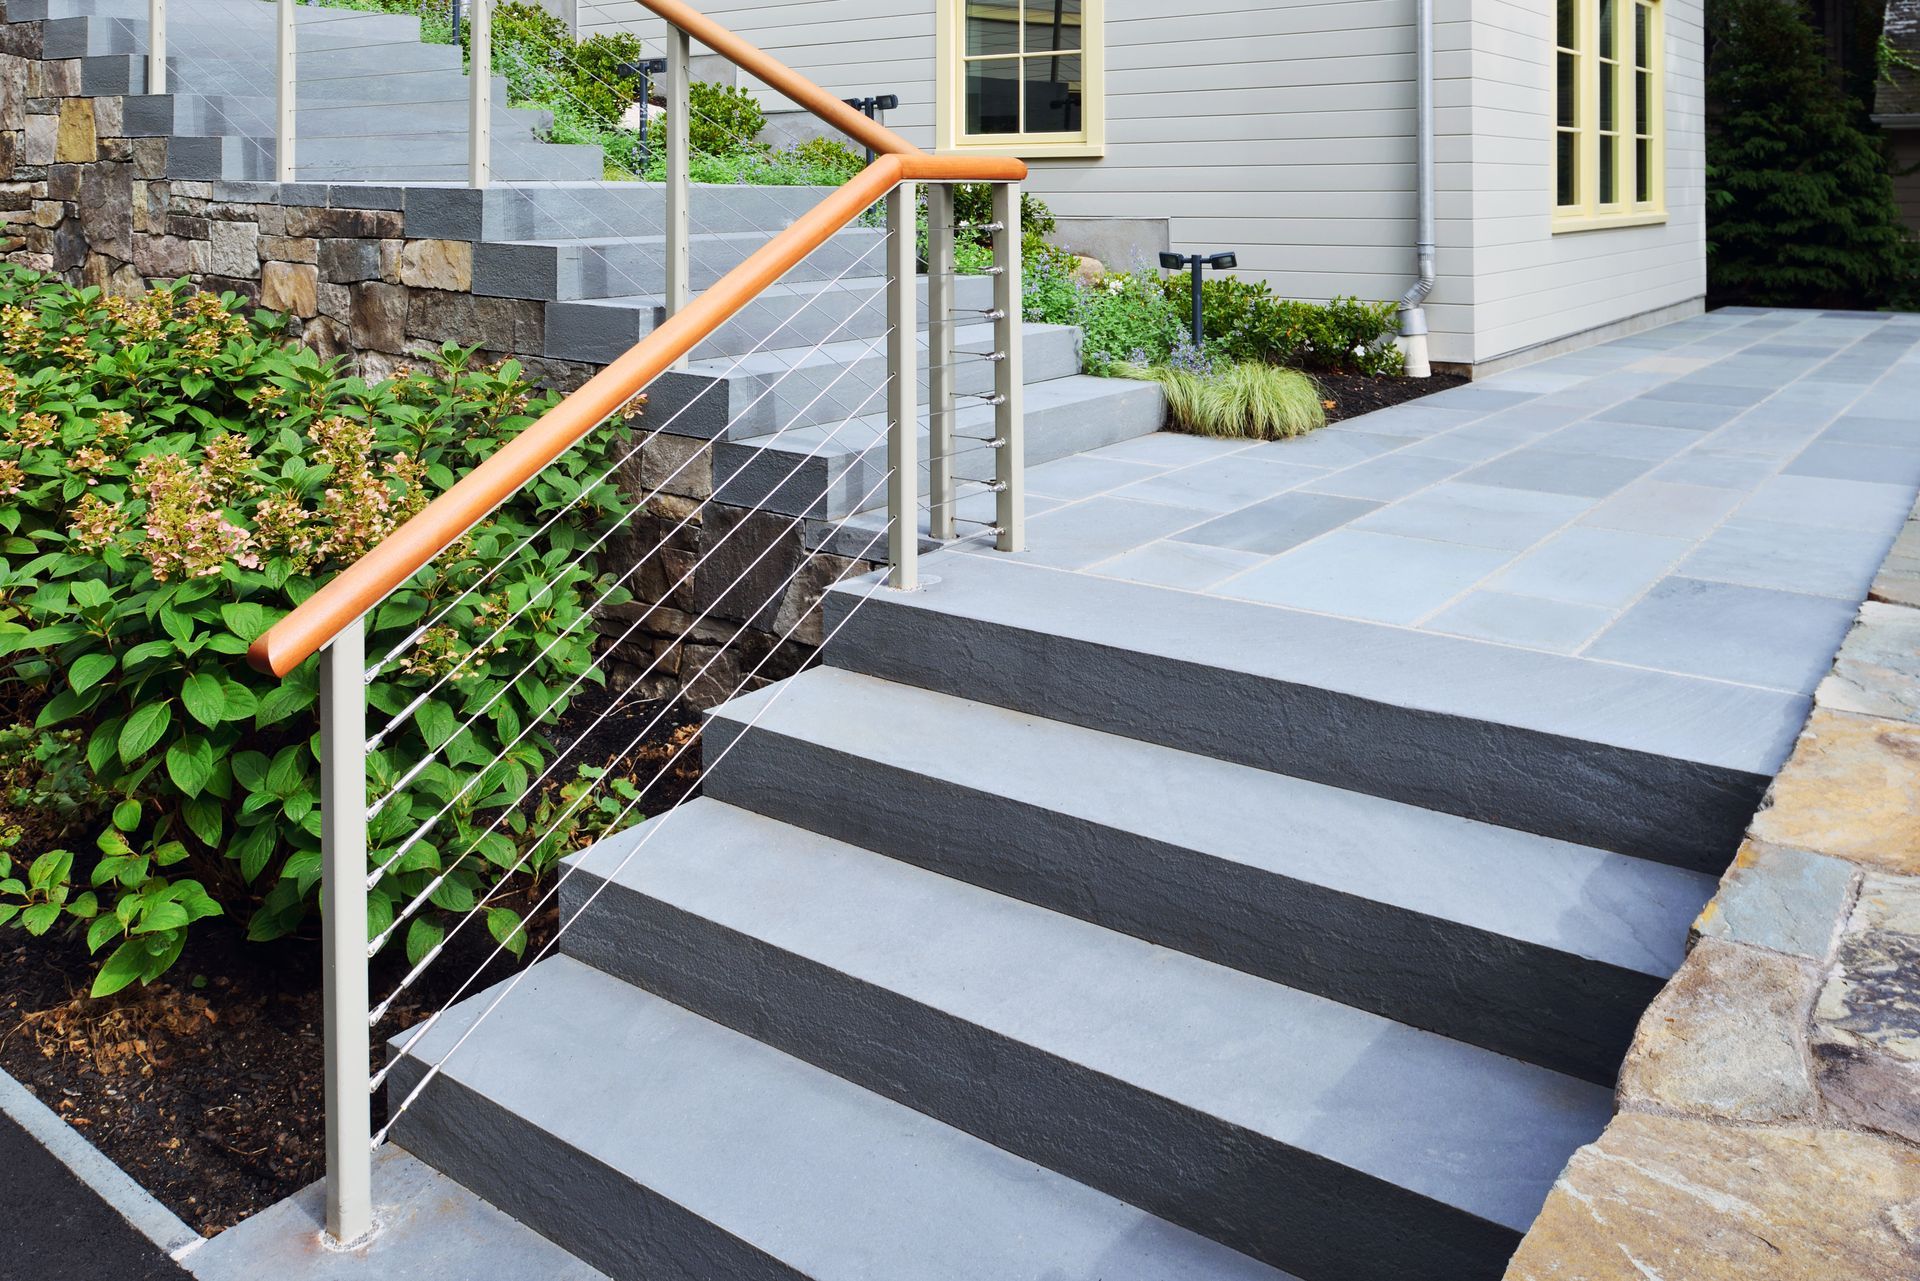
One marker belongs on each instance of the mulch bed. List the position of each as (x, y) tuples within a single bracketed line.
[(1350, 395), (206, 1087)]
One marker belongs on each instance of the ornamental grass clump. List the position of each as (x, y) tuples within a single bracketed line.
[(174, 476), (1236, 398)]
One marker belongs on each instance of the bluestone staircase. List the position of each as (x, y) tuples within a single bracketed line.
[(1056, 927), (1064, 927), (375, 106)]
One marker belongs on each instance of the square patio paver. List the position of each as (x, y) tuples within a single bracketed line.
[(1221, 484), (1079, 534), (1876, 464), (1656, 506), (1586, 565), (1393, 476), (1821, 561), (1554, 472), (1380, 577), (1084, 475), (1753, 635), (1279, 523), (1477, 515), (1559, 626), (1818, 500), (1193, 567)]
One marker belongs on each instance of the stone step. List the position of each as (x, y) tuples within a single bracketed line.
[(832, 470), (156, 115), (392, 160), (1315, 1137), (1539, 949), (651, 1142), (1559, 746), (578, 210), (244, 36), (604, 267), (790, 314), (788, 387)]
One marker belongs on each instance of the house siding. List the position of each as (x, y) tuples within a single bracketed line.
[(1284, 132)]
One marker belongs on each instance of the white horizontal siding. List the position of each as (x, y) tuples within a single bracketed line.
[(1284, 131), (1532, 286)]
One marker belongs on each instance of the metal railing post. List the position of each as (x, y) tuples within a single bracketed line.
[(679, 182), (903, 414), (1009, 381), (940, 319), (284, 94), (480, 93), (156, 46), (343, 908)]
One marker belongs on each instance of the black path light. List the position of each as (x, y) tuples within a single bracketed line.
[(1219, 262), (870, 107)]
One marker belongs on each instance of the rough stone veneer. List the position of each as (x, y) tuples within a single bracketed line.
[(1769, 1122), (83, 200)]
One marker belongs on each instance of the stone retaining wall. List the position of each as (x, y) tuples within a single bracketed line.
[(86, 201), (1769, 1122)]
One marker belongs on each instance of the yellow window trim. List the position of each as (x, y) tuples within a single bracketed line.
[(1587, 214), (950, 97)]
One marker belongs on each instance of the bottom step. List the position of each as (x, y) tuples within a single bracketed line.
[(655, 1144)]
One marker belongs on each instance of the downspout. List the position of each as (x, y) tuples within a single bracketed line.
[(1413, 312)]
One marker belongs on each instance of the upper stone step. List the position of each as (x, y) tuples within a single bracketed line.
[(583, 210), (1636, 761), (607, 262), (650, 1142), (1536, 948), (797, 313), (1313, 1136)]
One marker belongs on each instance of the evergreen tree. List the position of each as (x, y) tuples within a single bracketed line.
[(1800, 209)]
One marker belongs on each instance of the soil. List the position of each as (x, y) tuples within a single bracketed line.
[(206, 1087), (1350, 395)]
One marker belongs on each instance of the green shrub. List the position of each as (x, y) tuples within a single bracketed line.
[(1800, 210), (1242, 398), (174, 475), (1247, 322), (721, 121), (1124, 319)]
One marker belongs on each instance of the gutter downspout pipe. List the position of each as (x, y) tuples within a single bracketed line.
[(1413, 312)]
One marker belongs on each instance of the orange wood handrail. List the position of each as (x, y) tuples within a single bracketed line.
[(369, 580), (775, 74)]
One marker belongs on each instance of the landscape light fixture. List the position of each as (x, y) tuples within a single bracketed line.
[(871, 107), (1219, 262), (643, 70)]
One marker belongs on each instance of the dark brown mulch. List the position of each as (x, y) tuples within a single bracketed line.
[(206, 1087), (1350, 395)]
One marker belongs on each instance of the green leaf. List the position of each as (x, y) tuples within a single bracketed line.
[(39, 918), (190, 765), (128, 962), (422, 937), (288, 772), (50, 869), (143, 729), (103, 928), (504, 924), (241, 704), (204, 820), (161, 915), (253, 851), (280, 702), (247, 620), (88, 670), (89, 593), (126, 815), (250, 770), (205, 698), (147, 650)]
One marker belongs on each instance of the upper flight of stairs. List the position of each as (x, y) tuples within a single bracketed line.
[(1061, 927), (792, 386)]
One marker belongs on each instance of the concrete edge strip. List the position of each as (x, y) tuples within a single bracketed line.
[(165, 1229)]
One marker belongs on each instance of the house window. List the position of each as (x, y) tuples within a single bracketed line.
[(1021, 76), (1607, 154)]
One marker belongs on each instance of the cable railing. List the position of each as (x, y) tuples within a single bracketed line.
[(454, 799)]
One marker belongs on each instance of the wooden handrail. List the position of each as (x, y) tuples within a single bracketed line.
[(775, 74), (369, 580)]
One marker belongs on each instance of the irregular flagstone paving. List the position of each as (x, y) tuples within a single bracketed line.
[(1770, 1105), (1712, 498)]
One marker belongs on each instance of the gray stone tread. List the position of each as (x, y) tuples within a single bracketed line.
[(1459, 1125), (1685, 718), (829, 1180), (1608, 907)]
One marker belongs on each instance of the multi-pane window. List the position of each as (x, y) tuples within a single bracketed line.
[(1606, 154), (1021, 74)]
